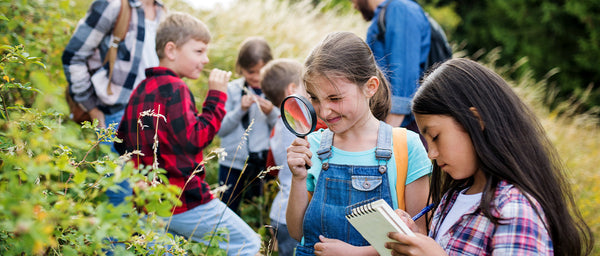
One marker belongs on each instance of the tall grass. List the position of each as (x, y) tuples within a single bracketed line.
[(292, 29)]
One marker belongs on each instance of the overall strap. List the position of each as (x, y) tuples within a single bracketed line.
[(401, 157), (383, 151), (324, 151)]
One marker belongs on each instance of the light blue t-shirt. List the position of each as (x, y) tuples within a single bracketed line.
[(418, 163)]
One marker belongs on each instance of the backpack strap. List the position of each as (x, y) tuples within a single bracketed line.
[(381, 22), (401, 157), (439, 49), (118, 35)]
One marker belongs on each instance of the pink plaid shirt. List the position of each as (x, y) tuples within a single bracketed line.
[(520, 232)]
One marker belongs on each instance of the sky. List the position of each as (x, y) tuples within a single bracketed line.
[(208, 4)]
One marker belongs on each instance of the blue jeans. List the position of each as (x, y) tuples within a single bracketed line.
[(114, 118), (285, 243), (116, 197), (203, 219)]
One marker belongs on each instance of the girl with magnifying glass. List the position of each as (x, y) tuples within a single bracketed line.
[(351, 161)]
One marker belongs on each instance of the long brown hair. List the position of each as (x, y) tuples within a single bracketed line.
[(513, 147), (343, 54)]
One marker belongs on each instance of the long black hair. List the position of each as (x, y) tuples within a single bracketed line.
[(513, 146)]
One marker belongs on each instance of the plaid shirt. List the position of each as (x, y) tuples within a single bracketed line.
[(83, 55), (521, 232), (182, 134)]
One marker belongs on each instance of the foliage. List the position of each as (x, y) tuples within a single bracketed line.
[(551, 34), (13, 92), (52, 171)]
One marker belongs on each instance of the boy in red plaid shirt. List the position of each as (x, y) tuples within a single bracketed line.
[(183, 133)]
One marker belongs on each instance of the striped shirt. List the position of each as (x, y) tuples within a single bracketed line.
[(520, 232), (182, 134)]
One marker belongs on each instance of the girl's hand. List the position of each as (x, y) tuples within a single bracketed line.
[(418, 245), (247, 101), (265, 105), (218, 79), (298, 157), (329, 246), (406, 218)]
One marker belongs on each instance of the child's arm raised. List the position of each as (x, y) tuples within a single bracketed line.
[(218, 79), (298, 155), (194, 130)]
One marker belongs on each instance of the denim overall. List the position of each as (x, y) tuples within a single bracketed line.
[(339, 186)]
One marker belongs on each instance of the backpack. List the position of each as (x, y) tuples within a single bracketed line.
[(439, 49), (400, 149)]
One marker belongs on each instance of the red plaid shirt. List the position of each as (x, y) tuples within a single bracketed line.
[(181, 137)]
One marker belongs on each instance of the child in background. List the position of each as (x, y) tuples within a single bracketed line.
[(352, 161), (246, 104), (497, 180), (279, 79), (181, 44)]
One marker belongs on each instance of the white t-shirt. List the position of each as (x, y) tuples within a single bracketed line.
[(149, 57), (462, 204)]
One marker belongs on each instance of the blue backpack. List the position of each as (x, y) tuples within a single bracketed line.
[(439, 50)]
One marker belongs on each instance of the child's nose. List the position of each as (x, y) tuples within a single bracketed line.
[(432, 152), (323, 110)]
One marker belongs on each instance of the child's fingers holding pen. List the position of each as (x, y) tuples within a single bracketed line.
[(405, 217)]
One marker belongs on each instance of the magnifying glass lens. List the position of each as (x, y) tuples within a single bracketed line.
[(298, 115)]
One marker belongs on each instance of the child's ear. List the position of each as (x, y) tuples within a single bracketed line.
[(293, 88), (171, 51), (290, 89), (371, 86), (476, 114)]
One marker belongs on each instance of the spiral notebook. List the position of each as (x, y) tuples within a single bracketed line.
[(374, 220)]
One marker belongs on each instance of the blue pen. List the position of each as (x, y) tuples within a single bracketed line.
[(422, 212)]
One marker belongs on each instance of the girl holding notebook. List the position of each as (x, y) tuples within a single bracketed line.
[(497, 181), (352, 160)]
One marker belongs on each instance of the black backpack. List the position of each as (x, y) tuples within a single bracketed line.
[(439, 50)]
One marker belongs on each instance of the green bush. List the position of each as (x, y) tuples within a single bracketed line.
[(53, 171), (553, 35)]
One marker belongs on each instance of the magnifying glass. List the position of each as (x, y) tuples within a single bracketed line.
[(298, 115)]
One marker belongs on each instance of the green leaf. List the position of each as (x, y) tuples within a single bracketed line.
[(79, 177)]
